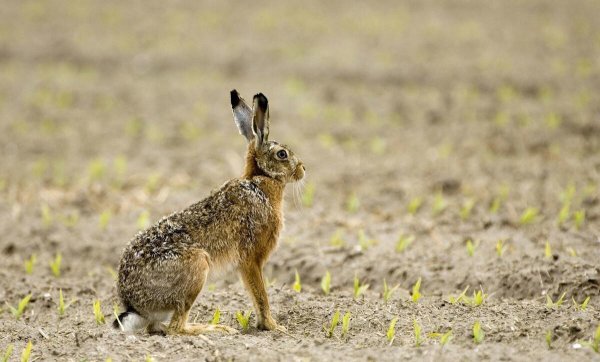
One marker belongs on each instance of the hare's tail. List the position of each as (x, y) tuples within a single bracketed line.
[(130, 321)]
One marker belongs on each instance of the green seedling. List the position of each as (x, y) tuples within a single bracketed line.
[(471, 248), (414, 205), (352, 203), (579, 218), (478, 298), (583, 305), (62, 307), (337, 239), (499, 199), (467, 207), (297, 285), (391, 332), (30, 263), (529, 215), (358, 288), (96, 170), (112, 272), (216, 317), (26, 354), (104, 219), (345, 324), (326, 283), (98, 315), (439, 203), (417, 333), (55, 265), (7, 353), (557, 304), (308, 195), (549, 339), (460, 298), (334, 322), (387, 291), (548, 250), (363, 241), (416, 294), (120, 170), (403, 242), (445, 338), (18, 311), (70, 220), (46, 215), (500, 248), (478, 334), (594, 343), (268, 282), (571, 251), (143, 221), (243, 319), (152, 183), (564, 214)]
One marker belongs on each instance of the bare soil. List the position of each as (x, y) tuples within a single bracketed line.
[(121, 109)]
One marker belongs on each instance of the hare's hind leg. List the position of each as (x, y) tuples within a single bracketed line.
[(196, 265)]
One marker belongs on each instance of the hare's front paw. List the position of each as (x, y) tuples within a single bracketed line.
[(269, 324)]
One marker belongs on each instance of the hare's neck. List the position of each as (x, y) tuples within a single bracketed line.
[(251, 168), (271, 187)]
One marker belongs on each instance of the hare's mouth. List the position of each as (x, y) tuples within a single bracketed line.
[(299, 172)]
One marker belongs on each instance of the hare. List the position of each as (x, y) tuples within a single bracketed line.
[(163, 269)]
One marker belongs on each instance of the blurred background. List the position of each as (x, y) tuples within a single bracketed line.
[(438, 121)]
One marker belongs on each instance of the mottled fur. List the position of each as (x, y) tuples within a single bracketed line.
[(163, 269)]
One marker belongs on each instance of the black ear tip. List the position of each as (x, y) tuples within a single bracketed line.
[(235, 98), (263, 102)]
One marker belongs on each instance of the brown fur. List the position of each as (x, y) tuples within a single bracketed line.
[(164, 268)]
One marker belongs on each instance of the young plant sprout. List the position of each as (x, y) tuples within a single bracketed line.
[(529, 215), (549, 339), (143, 221), (243, 319), (334, 322), (499, 199), (26, 354), (460, 298), (439, 203), (594, 343), (326, 283), (55, 265), (548, 250), (96, 170), (120, 170), (467, 207), (387, 291), (30, 263), (445, 338), (471, 248), (557, 304), (18, 311), (297, 285), (571, 251), (345, 324), (583, 305), (7, 353), (352, 203), (414, 205), (477, 333), (216, 317), (403, 242), (62, 307), (104, 219), (564, 214), (500, 248), (46, 216), (363, 241), (337, 239), (579, 218), (358, 288), (416, 294), (478, 298), (98, 315), (417, 333), (308, 195), (391, 332)]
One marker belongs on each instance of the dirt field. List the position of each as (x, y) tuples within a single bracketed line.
[(459, 124)]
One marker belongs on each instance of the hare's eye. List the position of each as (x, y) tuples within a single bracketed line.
[(282, 155)]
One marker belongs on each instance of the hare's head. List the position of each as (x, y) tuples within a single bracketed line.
[(264, 157)]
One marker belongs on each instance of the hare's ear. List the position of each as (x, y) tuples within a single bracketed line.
[(242, 115), (260, 119)]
